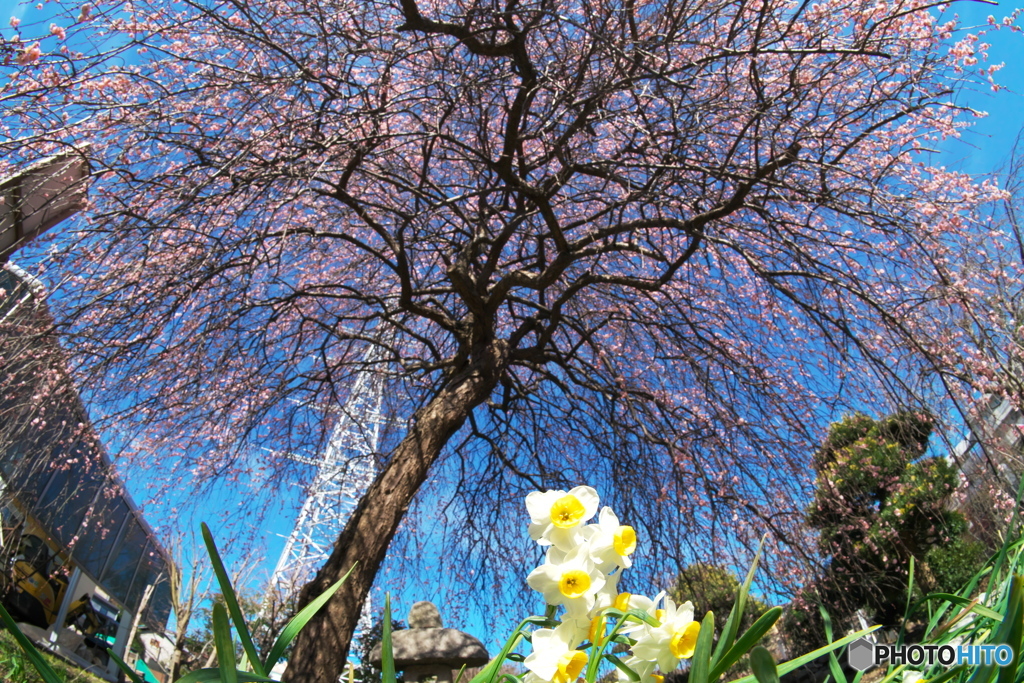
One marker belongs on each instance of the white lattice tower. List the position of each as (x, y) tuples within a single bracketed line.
[(345, 470)]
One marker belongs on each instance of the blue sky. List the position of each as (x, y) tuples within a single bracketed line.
[(986, 147), (982, 149)]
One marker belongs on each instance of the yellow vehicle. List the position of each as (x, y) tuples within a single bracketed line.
[(32, 587), (34, 582)]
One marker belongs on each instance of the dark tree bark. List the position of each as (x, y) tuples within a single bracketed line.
[(321, 649)]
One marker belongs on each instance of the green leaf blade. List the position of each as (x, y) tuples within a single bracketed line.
[(833, 663), (387, 655), (299, 621), (1011, 630), (732, 625), (700, 664), (121, 664), (763, 665), (746, 642), (978, 609), (621, 666), (224, 644), (796, 663), (232, 603)]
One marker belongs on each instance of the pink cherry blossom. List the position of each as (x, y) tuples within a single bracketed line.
[(659, 243), (30, 54)]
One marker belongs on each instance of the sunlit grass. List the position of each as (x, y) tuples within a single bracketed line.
[(15, 667)]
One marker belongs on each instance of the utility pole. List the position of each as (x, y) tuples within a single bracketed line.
[(345, 470)]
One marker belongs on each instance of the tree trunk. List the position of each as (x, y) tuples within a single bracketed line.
[(321, 649), (176, 658)]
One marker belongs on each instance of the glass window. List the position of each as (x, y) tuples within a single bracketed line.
[(117, 579), (31, 468), (146, 575), (97, 538), (65, 502), (159, 610)]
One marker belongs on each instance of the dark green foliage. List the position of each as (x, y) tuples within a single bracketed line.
[(801, 624), (878, 503), (955, 564)]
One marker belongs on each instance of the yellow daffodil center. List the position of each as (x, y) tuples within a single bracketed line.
[(567, 512), (625, 540), (622, 601), (574, 583), (659, 614), (570, 665), (657, 678), (684, 640)]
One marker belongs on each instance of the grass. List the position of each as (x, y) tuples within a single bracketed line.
[(988, 610), (15, 667), (251, 668)]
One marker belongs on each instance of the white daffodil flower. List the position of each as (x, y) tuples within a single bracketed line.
[(555, 657), (643, 668), (557, 517), (608, 593), (611, 543), (629, 601), (571, 579), (582, 625), (673, 640)]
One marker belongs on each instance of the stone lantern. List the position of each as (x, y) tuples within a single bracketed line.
[(426, 651)]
